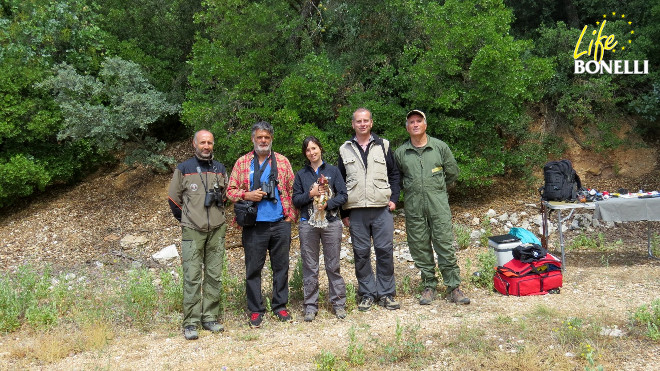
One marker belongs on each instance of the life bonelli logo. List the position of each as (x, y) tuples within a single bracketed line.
[(600, 43)]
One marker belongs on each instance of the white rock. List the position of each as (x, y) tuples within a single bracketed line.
[(514, 218), (614, 332), (475, 235), (476, 221), (166, 253), (130, 241), (503, 217), (70, 276), (491, 213)]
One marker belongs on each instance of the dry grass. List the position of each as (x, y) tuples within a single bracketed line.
[(61, 342)]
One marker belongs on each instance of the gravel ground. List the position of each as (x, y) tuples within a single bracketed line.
[(82, 227)]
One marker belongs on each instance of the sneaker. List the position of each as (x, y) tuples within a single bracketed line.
[(428, 295), (365, 303), (213, 326), (340, 312), (256, 319), (309, 316), (388, 302), (457, 296), (190, 332), (283, 315)]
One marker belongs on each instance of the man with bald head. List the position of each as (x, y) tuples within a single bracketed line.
[(196, 197)]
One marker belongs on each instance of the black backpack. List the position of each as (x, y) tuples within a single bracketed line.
[(561, 181)]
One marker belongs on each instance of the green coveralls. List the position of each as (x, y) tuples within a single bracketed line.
[(425, 174)]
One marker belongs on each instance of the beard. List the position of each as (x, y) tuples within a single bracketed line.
[(262, 151), (203, 156)]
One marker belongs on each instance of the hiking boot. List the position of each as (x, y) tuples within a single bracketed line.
[(340, 312), (457, 296), (213, 326), (388, 302), (190, 332), (365, 303), (283, 315), (428, 295), (309, 316), (256, 319)]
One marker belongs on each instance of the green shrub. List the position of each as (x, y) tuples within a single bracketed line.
[(462, 233), (484, 276), (40, 315), (140, 296), (646, 320), (10, 306), (172, 290)]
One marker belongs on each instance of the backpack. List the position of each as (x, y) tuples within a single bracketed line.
[(561, 181)]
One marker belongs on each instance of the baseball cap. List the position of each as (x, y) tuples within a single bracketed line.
[(415, 111)]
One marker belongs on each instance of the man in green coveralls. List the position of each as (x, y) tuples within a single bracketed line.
[(427, 167)]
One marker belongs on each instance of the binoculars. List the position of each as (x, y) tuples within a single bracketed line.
[(269, 187), (213, 197)]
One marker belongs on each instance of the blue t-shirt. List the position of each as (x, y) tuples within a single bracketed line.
[(267, 210)]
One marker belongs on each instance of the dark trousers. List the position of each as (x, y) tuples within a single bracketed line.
[(376, 223), (275, 239)]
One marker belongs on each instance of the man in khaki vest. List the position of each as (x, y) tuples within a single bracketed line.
[(372, 180)]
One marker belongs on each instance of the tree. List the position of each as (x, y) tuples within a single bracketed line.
[(113, 111), (306, 66), (34, 35)]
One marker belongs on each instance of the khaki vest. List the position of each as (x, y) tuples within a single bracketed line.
[(367, 186)]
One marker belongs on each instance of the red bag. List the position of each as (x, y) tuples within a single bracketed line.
[(535, 278)]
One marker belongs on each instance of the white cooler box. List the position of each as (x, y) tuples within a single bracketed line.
[(503, 246)]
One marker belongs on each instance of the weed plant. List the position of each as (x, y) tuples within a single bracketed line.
[(487, 231), (462, 233), (172, 290), (404, 346), (655, 244), (351, 296), (483, 278), (355, 352), (296, 281), (404, 285), (573, 332), (597, 243), (37, 299), (589, 354), (472, 340), (232, 296), (327, 361), (646, 320), (141, 297)]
